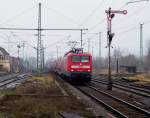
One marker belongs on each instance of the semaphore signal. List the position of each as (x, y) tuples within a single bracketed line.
[(110, 15)]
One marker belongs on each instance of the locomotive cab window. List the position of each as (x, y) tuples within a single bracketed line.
[(85, 59), (75, 58)]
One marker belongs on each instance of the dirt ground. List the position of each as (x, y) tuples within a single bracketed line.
[(40, 97)]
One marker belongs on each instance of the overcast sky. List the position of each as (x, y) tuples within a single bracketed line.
[(88, 14)]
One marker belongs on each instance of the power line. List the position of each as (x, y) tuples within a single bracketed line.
[(126, 31), (120, 28), (66, 17), (123, 6), (53, 44), (97, 24), (102, 21), (94, 34), (16, 36), (33, 34), (135, 1), (7, 28), (16, 16), (138, 11), (147, 22), (48, 46), (81, 30), (92, 13)]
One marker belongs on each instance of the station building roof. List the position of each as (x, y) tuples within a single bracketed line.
[(3, 51)]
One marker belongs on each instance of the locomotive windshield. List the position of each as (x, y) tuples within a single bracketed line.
[(80, 58), (75, 58), (85, 59)]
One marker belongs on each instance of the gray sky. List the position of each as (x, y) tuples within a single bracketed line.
[(73, 14)]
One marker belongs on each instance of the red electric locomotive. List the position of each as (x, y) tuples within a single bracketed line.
[(76, 65)]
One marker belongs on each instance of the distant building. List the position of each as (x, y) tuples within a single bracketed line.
[(128, 69), (4, 60), (7, 62)]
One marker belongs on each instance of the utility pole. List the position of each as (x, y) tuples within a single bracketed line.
[(89, 45), (57, 51), (99, 44), (43, 59), (141, 47), (110, 15), (99, 50), (81, 37), (117, 66), (39, 43), (23, 46), (23, 62), (18, 59), (93, 51), (8, 38), (81, 30)]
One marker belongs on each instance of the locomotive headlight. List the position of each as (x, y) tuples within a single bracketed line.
[(86, 67), (89, 70), (72, 70), (75, 66)]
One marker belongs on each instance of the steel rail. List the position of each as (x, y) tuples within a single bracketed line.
[(9, 81), (129, 86), (120, 100), (11, 77), (132, 87), (108, 107), (125, 89)]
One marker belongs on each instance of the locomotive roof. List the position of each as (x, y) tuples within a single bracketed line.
[(77, 54), (76, 51)]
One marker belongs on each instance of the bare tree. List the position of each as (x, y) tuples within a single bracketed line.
[(117, 54), (147, 62), (129, 60)]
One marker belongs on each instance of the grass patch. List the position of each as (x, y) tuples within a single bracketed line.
[(141, 78), (40, 107)]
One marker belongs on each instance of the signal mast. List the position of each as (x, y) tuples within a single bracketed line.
[(110, 15)]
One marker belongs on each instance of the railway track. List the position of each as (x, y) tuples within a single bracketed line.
[(7, 77), (4, 74), (69, 115), (128, 88), (12, 79), (117, 106)]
